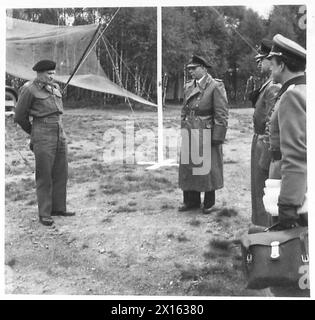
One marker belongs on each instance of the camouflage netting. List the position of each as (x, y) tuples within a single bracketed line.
[(29, 42)]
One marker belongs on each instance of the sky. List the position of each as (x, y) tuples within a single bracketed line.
[(262, 9)]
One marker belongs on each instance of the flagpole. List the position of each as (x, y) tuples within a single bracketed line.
[(159, 84), (161, 162)]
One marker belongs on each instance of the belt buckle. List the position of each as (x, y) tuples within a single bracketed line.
[(249, 258), (51, 120), (275, 254), (305, 258)]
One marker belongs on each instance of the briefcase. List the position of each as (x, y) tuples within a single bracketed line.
[(276, 258)]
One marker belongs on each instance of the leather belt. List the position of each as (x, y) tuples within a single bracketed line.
[(54, 118), (197, 112), (276, 155)]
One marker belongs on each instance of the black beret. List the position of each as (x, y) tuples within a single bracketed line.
[(196, 61), (284, 47), (263, 49), (44, 65)]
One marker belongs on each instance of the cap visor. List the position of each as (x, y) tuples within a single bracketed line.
[(274, 54), (192, 65), (260, 56)]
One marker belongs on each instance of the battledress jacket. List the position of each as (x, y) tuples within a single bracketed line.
[(37, 101)]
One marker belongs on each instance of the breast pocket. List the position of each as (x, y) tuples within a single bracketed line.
[(44, 104), (42, 94)]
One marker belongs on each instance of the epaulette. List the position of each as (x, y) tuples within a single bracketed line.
[(216, 79), (26, 85)]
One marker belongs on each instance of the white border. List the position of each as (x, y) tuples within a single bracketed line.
[(166, 3)]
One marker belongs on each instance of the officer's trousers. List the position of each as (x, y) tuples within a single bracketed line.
[(50, 149), (258, 177), (192, 198)]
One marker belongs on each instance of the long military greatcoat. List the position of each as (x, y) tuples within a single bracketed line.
[(288, 135), (260, 155), (205, 107)]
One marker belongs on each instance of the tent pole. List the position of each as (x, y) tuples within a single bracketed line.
[(82, 57), (90, 46)]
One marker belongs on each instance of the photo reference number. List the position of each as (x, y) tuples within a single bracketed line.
[(159, 310)]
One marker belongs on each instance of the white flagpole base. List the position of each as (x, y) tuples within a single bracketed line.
[(158, 165)]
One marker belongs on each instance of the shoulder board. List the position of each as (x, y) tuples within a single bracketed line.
[(189, 81), (220, 80), (27, 84)]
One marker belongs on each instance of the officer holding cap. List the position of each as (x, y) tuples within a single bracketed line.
[(263, 101), (205, 110), (41, 99), (288, 129)]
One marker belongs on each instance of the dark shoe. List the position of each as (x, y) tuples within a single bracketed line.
[(284, 225), (63, 213), (46, 221), (256, 229), (185, 207), (211, 209)]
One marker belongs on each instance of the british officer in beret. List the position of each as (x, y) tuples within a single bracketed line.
[(205, 110), (263, 101), (288, 129), (41, 100)]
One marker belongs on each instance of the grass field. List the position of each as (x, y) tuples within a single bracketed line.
[(127, 237)]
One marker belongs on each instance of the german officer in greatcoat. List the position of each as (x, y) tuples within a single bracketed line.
[(288, 129), (41, 99), (263, 101), (205, 110)]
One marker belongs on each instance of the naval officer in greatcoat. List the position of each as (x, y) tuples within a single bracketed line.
[(287, 129), (287, 135), (263, 101)]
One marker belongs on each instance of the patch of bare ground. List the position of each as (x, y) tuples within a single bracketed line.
[(127, 237)]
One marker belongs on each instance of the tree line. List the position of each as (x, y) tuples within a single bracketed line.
[(227, 36)]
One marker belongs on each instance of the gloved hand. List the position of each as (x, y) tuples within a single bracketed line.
[(288, 217)]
